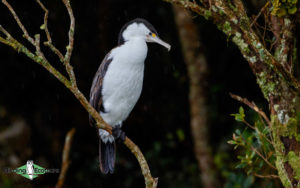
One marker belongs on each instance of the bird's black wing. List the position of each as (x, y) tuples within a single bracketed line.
[(96, 89)]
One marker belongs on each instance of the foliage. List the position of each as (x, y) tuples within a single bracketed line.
[(283, 7), (239, 116), (256, 152), (239, 181)]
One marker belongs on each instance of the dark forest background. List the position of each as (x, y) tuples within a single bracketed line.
[(43, 110)]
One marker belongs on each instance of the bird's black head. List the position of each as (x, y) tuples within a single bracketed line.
[(140, 28)]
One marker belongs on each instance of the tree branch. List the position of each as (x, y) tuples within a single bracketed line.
[(45, 25), (65, 158), (26, 35), (45, 28), (285, 44), (10, 41), (71, 30), (70, 46), (149, 180), (39, 58), (262, 157), (270, 176), (273, 71), (235, 23), (258, 15), (253, 106)]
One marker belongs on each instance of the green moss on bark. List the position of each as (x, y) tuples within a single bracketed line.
[(289, 129), (282, 173), (281, 8), (207, 14), (267, 87), (294, 161), (279, 151), (239, 41), (284, 154), (227, 28)]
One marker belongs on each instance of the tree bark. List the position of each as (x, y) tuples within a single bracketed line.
[(197, 72), (273, 70)]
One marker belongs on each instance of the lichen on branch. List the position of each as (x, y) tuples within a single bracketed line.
[(69, 81), (273, 67)]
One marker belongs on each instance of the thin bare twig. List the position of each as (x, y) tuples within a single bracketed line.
[(45, 25), (6, 33), (265, 29), (253, 106), (261, 156), (64, 59), (38, 47), (68, 54), (258, 15), (71, 30), (190, 5), (65, 158), (45, 28), (55, 50), (26, 35), (10, 41), (254, 128), (249, 125), (39, 58), (270, 176)]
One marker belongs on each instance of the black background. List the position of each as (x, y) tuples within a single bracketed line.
[(29, 92)]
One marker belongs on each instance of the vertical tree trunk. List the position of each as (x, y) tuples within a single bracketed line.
[(273, 69), (197, 72)]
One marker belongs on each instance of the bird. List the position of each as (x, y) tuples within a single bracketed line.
[(117, 85), (30, 169)]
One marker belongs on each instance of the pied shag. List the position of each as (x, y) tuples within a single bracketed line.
[(118, 83)]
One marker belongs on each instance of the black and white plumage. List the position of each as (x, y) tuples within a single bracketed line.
[(118, 83)]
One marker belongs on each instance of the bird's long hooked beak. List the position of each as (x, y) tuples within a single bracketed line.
[(157, 40)]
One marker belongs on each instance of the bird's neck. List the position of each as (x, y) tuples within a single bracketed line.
[(135, 49)]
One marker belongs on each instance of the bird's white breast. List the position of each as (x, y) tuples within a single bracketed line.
[(123, 80)]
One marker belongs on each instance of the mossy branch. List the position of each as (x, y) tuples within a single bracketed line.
[(273, 70), (253, 106), (232, 19), (70, 82)]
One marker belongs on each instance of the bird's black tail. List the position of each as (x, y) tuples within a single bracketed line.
[(107, 156)]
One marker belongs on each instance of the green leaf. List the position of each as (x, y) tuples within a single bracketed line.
[(241, 165), (292, 1), (252, 154), (240, 116), (180, 134), (249, 171), (241, 111), (231, 142), (42, 27), (238, 132), (292, 10), (248, 182)]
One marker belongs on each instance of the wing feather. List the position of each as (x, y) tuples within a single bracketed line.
[(96, 89)]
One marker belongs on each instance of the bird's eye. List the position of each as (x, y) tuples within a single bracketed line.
[(152, 34)]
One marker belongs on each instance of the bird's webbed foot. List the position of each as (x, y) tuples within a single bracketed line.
[(118, 134)]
